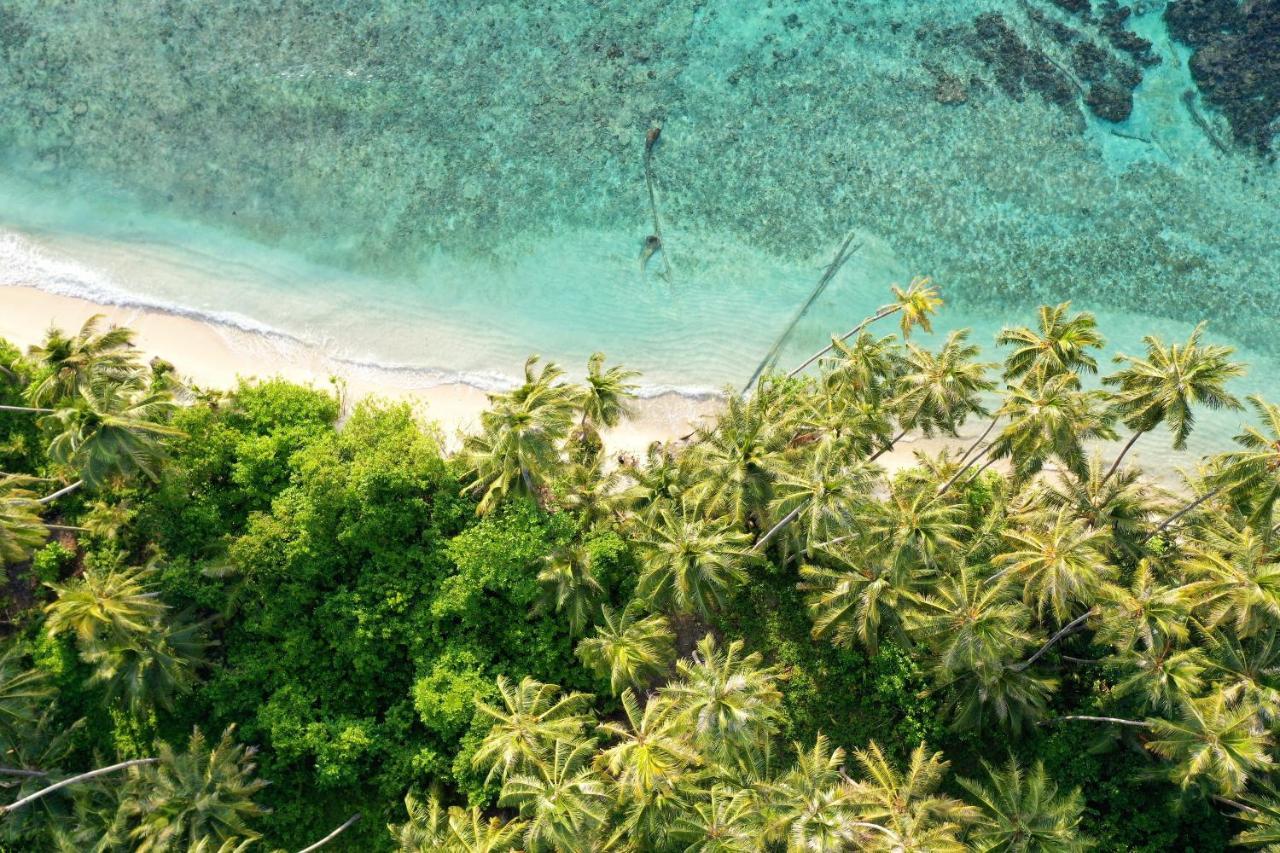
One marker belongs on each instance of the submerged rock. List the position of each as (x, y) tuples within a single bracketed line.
[(1236, 61), (1110, 102)]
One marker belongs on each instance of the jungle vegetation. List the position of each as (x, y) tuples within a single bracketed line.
[(252, 615)]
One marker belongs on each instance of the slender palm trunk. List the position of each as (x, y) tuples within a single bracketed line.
[(888, 446), (1115, 466), (879, 315), (92, 774), (354, 819), (67, 528), (1138, 724), (777, 528), (65, 490), (965, 467), (1212, 493), (16, 771), (33, 410), (653, 209), (986, 432), (1069, 628)]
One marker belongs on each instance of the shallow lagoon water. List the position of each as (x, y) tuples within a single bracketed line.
[(448, 187)]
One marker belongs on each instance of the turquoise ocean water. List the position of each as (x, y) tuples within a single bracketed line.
[(448, 187)]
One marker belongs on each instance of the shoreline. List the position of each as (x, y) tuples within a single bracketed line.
[(213, 355)]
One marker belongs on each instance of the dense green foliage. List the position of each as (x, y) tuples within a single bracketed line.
[(755, 639)]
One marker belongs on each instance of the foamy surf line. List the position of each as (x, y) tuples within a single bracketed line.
[(23, 264)]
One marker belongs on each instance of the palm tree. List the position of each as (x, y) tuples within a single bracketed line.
[(569, 585), (72, 363), (430, 829), (979, 633), (108, 607), (1162, 676), (729, 700), (1262, 814), (865, 370), (812, 802), (1052, 418), (864, 596), (629, 648), (1247, 671), (1060, 345), (916, 305), (817, 501), (605, 398), (688, 563), (21, 530), (592, 493), (1121, 505), (1213, 744), (736, 461), (651, 748), (563, 799), (1023, 812), (110, 429), (425, 830), (193, 795), (1168, 383), (915, 527), (906, 803), (154, 668), (1147, 613), (518, 448), (724, 820), (533, 717), (937, 393), (23, 692), (1254, 471), (1058, 562), (1238, 582)]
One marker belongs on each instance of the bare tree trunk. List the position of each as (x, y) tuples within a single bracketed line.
[(15, 771), (1067, 629), (1140, 724), (1186, 509), (888, 446), (986, 432), (31, 410), (773, 531), (355, 818), (1116, 465), (101, 771), (65, 490)]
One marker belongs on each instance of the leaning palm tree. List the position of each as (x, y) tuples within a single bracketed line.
[(72, 363), (1023, 812), (1147, 612), (1261, 812), (21, 530), (518, 449), (569, 585), (689, 564), (937, 392), (1060, 345), (629, 648), (1058, 562), (906, 803), (1162, 676), (914, 527), (817, 499), (1254, 471), (1247, 671), (736, 460), (1048, 419), (154, 668), (110, 429), (729, 701), (564, 800), (432, 829), (425, 830), (197, 794), (1165, 386), (532, 718)]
